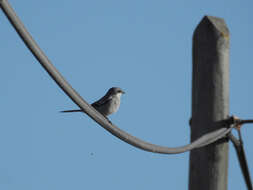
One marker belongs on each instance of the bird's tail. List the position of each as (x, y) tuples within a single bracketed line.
[(68, 111)]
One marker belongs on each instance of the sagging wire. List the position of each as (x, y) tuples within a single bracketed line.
[(204, 140)]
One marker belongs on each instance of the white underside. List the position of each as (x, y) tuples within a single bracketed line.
[(112, 106)]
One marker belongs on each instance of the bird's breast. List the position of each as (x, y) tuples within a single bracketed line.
[(115, 103), (110, 107)]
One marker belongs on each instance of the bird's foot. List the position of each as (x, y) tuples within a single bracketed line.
[(108, 120)]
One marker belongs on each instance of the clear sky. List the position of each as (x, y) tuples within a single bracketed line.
[(142, 46)]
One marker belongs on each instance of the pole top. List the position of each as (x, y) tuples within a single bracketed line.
[(216, 24)]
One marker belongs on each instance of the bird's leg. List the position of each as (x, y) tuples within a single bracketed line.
[(107, 119)]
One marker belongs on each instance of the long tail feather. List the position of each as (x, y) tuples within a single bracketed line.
[(68, 111)]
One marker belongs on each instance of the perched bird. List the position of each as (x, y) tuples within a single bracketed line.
[(108, 104)]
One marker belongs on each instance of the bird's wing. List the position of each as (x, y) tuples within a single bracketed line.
[(106, 98)]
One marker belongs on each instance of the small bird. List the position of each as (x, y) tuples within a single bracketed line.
[(108, 104)]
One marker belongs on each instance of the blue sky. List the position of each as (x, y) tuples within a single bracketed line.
[(144, 47)]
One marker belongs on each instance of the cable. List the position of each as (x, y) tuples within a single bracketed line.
[(238, 145), (89, 110)]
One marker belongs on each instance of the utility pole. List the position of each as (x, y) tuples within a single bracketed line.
[(210, 103)]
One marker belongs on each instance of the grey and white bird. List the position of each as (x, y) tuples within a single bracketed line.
[(108, 104)]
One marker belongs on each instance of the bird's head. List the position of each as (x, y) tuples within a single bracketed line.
[(116, 91)]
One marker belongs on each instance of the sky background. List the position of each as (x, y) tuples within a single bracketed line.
[(142, 46)]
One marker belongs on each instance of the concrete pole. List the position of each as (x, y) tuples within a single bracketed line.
[(210, 103)]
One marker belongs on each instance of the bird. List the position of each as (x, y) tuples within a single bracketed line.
[(108, 104)]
